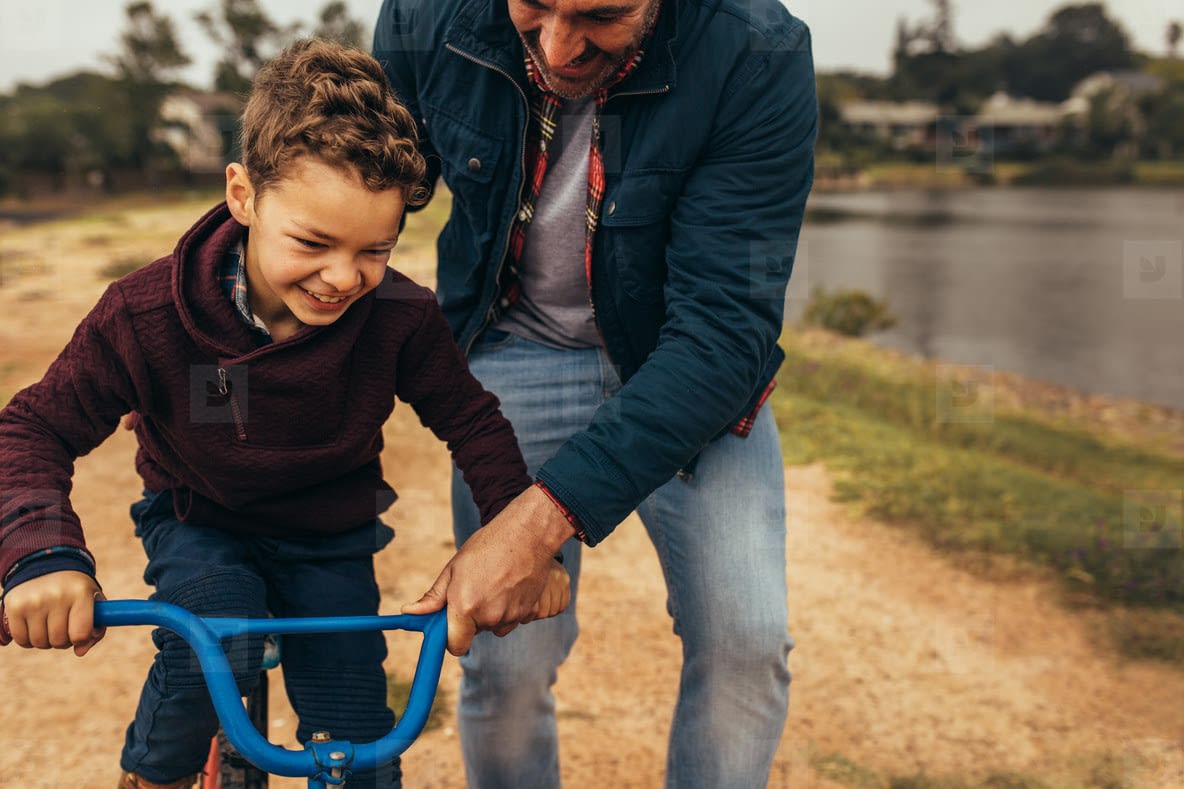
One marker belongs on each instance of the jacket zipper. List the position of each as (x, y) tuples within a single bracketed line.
[(240, 429), (518, 201), (596, 142), (489, 313)]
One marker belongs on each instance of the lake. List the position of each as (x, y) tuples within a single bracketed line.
[(1081, 287)]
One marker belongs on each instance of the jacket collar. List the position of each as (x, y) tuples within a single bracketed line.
[(482, 29)]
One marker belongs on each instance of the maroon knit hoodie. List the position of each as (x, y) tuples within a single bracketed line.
[(278, 440)]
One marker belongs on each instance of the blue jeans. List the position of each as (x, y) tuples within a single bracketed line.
[(335, 682), (720, 538)]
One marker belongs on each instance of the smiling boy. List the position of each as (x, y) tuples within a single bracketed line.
[(263, 357)]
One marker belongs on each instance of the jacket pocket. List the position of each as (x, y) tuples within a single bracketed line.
[(467, 154), (635, 216)]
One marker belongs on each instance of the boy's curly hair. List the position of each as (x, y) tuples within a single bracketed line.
[(323, 99)]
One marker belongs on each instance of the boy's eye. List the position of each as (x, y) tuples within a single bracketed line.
[(304, 242)]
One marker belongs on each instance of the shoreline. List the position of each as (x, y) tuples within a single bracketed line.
[(1046, 173), (1123, 418)]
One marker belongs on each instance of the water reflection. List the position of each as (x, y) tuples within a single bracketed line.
[(1082, 287)]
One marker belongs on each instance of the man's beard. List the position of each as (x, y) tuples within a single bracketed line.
[(569, 89)]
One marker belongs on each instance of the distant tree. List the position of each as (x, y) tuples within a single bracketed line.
[(1111, 123), (1174, 32), (147, 68), (336, 24), (1164, 113), (1077, 41), (63, 129), (941, 30), (248, 38)]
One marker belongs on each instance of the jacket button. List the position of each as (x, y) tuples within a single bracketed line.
[(474, 165), (612, 207)]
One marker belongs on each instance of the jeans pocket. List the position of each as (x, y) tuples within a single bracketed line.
[(494, 339)]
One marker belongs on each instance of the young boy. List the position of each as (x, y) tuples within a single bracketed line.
[(263, 357)]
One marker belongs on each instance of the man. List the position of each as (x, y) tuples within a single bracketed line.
[(628, 181)]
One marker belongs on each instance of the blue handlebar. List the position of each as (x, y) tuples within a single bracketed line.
[(204, 634)]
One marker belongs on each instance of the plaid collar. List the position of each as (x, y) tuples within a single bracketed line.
[(232, 275), (545, 106)]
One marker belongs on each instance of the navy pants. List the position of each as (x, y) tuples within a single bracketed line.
[(335, 682)]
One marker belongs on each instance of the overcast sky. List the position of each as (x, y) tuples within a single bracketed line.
[(40, 39)]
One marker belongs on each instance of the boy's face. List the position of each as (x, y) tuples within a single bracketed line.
[(319, 240)]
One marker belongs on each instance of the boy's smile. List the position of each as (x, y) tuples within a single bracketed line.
[(318, 241)]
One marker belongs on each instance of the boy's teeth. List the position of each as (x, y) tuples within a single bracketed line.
[(326, 299)]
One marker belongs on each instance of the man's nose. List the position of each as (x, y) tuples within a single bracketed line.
[(560, 43)]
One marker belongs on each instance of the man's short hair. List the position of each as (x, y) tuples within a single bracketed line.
[(327, 100)]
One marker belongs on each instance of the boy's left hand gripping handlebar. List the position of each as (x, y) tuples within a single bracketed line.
[(204, 635)]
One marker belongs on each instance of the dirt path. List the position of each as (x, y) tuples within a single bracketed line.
[(905, 662)]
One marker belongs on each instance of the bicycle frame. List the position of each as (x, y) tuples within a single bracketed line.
[(324, 761)]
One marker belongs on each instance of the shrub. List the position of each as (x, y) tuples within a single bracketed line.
[(850, 312)]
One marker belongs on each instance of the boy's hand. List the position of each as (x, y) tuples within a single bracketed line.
[(54, 611), (556, 593)]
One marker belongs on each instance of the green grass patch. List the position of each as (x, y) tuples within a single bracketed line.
[(915, 448), (839, 769), (122, 267), (397, 693), (1161, 173)]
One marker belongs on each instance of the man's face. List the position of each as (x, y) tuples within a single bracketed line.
[(579, 45)]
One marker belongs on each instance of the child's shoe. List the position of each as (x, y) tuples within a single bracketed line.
[(133, 781)]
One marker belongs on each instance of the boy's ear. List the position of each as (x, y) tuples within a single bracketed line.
[(240, 194)]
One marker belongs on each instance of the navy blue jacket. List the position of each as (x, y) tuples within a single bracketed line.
[(708, 150)]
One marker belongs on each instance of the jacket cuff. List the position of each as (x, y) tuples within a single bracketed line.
[(569, 516), (50, 560), (744, 426)]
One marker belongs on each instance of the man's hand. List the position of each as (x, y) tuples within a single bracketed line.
[(54, 611), (495, 580)]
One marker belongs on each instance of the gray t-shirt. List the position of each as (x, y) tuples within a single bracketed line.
[(555, 307)]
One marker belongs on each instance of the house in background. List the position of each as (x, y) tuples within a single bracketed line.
[(908, 125), (202, 128), (1018, 126)]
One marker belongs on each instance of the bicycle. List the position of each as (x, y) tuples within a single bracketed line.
[(324, 761)]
